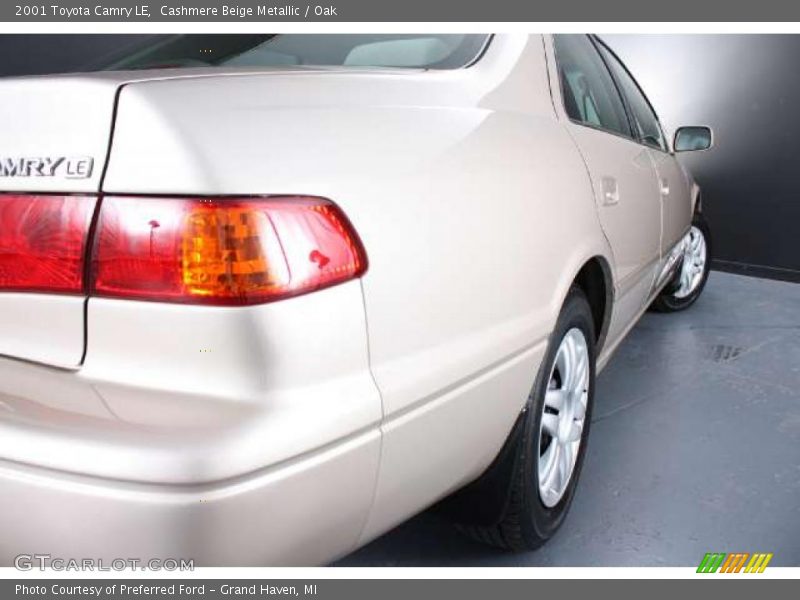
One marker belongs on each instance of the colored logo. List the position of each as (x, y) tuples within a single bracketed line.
[(736, 562)]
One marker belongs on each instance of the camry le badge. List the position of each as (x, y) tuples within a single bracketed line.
[(71, 167)]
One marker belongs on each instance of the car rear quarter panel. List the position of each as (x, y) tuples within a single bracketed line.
[(472, 202)]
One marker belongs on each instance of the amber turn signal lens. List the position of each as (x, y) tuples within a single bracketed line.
[(222, 251)]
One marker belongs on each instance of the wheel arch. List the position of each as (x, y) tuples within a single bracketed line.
[(697, 199), (595, 279), (479, 504)]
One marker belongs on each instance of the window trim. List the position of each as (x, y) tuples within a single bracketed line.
[(481, 53), (632, 137), (632, 117)]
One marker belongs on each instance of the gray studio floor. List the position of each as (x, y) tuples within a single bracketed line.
[(695, 446)]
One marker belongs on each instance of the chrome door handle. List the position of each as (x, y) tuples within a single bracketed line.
[(610, 191), (664, 187)]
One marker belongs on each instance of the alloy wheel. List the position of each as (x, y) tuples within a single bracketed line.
[(563, 416), (694, 262)]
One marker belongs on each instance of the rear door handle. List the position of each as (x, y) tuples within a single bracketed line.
[(610, 191), (664, 187)]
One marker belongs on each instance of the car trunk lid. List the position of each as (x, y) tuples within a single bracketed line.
[(55, 143)]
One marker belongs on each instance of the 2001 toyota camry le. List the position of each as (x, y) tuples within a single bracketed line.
[(264, 297)]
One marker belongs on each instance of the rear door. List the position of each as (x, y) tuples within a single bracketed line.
[(621, 171), (675, 191), (53, 143)]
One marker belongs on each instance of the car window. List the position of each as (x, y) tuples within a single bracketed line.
[(646, 121), (590, 95), (428, 51)]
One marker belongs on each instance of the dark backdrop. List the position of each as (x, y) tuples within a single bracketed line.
[(747, 87)]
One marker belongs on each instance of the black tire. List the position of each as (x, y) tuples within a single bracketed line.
[(504, 507), (667, 301)]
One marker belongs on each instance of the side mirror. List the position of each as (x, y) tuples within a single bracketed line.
[(693, 138)]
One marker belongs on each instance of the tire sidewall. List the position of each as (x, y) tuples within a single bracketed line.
[(543, 521)]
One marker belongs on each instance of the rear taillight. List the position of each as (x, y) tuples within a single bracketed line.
[(221, 251), (43, 241)]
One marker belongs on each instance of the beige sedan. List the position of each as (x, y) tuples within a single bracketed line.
[(264, 297)]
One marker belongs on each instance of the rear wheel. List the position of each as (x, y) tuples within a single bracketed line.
[(532, 487), (691, 278)]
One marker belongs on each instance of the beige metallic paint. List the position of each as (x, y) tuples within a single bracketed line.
[(315, 424)]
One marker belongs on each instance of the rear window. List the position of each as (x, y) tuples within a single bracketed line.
[(428, 51)]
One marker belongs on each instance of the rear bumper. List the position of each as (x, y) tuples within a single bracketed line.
[(262, 451), (306, 512)]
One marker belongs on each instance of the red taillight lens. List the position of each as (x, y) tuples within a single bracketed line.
[(42, 242), (222, 251)]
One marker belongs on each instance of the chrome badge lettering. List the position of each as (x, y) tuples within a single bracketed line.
[(71, 167)]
